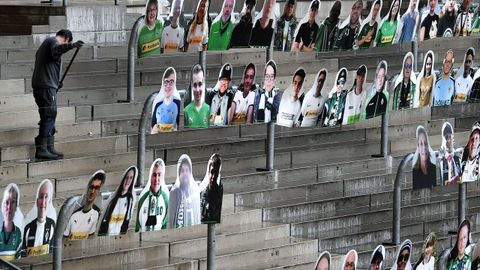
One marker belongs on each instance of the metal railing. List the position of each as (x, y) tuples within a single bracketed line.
[(397, 198), (4, 264), (142, 133), (132, 54), (63, 217)]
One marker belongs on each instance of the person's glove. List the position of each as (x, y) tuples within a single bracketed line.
[(78, 44)]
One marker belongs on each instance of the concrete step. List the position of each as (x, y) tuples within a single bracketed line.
[(70, 148), (12, 87), (19, 136), (72, 165), (29, 118), (17, 102)]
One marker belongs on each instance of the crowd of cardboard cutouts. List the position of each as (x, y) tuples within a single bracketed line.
[(348, 101), (287, 32), (185, 203)]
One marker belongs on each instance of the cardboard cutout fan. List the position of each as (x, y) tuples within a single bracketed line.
[(12, 223), (40, 222), (377, 100), (290, 104), (323, 261), (83, 222), (464, 77), (450, 164), (166, 105), (153, 207), (314, 102), (197, 112), (120, 204), (470, 158), (424, 162), (356, 99), (405, 85), (267, 100), (222, 27), (184, 201), (150, 33), (211, 190), (426, 82)]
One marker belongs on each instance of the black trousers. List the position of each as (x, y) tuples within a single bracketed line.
[(46, 99)]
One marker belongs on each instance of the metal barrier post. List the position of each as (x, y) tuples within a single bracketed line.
[(132, 54), (270, 160), (142, 139), (415, 55), (462, 196), (62, 220), (397, 197), (211, 248)]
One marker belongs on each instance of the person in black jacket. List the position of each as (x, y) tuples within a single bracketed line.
[(45, 84)]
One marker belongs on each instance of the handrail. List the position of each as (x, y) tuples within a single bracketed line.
[(270, 159), (9, 265), (63, 217), (132, 53), (142, 139)]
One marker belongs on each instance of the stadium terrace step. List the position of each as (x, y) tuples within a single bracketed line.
[(17, 102), (228, 241), (261, 254), (109, 256), (19, 136), (105, 162), (71, 148), (465, 122), (443, 44), (27, 55), (28, 118), (12, 87), (103, 96), (456, 110)]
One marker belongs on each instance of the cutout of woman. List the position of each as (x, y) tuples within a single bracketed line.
[(211, 190), (407, 27), (377, 258), (314, 102), (150, 34), (184, 201), (119, 207), (428, 257), (286, 25), (334, 106), (197, 29), (388, 26), (263, 26), (350, 260), (222, 27), (426, 82), (378, 97), (40, 222), (307, 29), (458, 258), (470, 160), (267, 100), (166, 105), (450, 165), (369, 27), (153, 207), (402, 261), (12, 224), (424, 162), (290, 105), (405, 85), (323, 261), (464, 77)]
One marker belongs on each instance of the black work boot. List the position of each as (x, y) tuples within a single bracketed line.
[(41, 151), (51, 148)]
